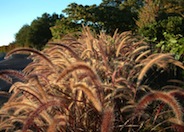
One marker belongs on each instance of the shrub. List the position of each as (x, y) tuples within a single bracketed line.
[(173, 44)]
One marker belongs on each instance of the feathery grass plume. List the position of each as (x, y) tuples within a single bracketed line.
[(58, 120), (176, 81), (16, 93), (86, 31), (177, 125), (86, 90), (68, 37), (15, 113), (170, 87), (86, 68), (6, 78), (158, 111), (6, 126), (104, 57), (89, 39), (6, 75), (30, 50), (29, 121), (144, 54), (86, 53), (139, 50), (90, 95), (15, 73), (29, 90), (15, 105), (31, 67), (123, 42), (66, 47), (156, 60), (41, 89), (108, 120), (164, 97), (39, 70), (177, 93), (5, 94), (177, 63), (37, 86), (57, 54), (115, 35)]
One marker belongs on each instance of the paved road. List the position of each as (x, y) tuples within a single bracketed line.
[(15, 62)]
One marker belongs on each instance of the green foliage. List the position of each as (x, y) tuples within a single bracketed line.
[(80, 14), (174, 25), (171, 25), (63, 27), (38, 33), (162, 22), (109, 15), (147, 14), (173, 44), (22, 36), (168, 33)]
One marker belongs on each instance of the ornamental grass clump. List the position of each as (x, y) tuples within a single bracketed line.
[(96, 83)]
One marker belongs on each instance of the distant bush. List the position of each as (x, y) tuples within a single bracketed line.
[(155, 31), (173, 44), (8, 48)]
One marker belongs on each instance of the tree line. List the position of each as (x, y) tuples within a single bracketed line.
[(160, 21)]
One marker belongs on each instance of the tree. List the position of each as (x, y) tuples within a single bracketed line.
[(147, 14), (38, 33), (109, 15), (63, 27), (157, 10), (22, 36), (162, 22)]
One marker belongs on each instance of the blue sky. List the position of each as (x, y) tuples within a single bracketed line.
[(16, 13)]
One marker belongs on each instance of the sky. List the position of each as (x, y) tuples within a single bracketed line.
[(16, 13)]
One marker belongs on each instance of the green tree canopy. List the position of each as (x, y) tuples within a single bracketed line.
[(109, 15), (38, 33), (160, 16), (63, 27), (22, 36), (162, 22)]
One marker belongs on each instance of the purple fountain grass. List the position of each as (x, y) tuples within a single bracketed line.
[(91, 95), (66, 47), (165, 98), (93, 83), (5, 75), (161, 60), (41, 108), (6, 78), (5, 94), (82, 66), (30, 50), (108, 120)]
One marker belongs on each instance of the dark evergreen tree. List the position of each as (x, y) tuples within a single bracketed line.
[(38, 33)]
